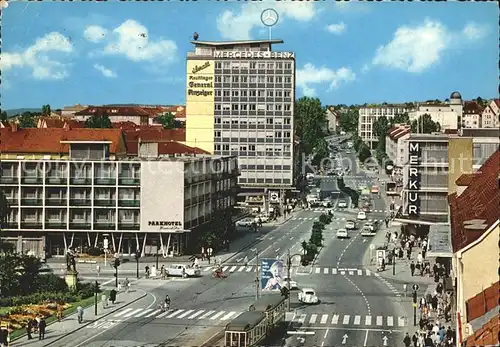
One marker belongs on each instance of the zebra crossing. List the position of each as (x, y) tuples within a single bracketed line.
[(190, 314), (338, 319), (342, 272), (234, 268), (337, 209)]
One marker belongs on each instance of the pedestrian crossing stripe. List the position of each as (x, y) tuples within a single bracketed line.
[(231, 269), (336, 271), (337, 319), (191, 314), (339, 209)]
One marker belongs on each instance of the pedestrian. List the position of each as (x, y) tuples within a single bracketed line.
[(414, 339), (79, 313), (41, 329), (98, 269), (4, 337), (412, 268), (407, 340), (112, 296), (420, 258), (245, 260), (162, 272), (126, 284), (104, 300), (29, 329), (202, 253), (408, 253), (146, 271), (59, 312)]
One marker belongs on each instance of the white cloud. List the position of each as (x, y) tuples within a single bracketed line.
[(311, 75), (105, 71), (39, 57), (365, 68), (131, 40), (415, 49), (336, 29), (239, 25), (95, 33)]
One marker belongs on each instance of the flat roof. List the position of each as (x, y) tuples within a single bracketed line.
[(440, 241), (234, 43)]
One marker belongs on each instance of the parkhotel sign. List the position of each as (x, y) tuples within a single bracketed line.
[(253, 55), (415, 155)]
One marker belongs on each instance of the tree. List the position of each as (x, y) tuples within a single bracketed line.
[(99, 121), (4, 117), (425, 125), (27, 120), (349, 120), (364, 153), (310, 119), (167, 120), (46, 111), (320, 152)]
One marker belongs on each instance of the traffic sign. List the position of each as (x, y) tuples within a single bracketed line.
[(415, 287)]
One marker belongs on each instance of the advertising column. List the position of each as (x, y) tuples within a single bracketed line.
[(200, 104)]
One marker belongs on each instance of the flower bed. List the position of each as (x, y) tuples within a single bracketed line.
[(18, 317)]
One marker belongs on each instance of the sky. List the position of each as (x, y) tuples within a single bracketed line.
[(62, 53)]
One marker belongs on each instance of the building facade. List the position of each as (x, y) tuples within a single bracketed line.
[(491, 115), (472, 115), (448, 114), (240, 101), (332, 119), (395, 142), (368, 115)]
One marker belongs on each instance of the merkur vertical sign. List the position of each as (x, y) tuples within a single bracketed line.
[(415, 156)]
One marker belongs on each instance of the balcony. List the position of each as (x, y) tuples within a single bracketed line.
[(79, 225), (31, 225), (129, 203), (104, 202), (12, 225), (55, 224), (13, 201), (55, 180), (79, 202), (31, 202), (60, 202), (104, 225), (9, 180), (104, 181), (128, 226), (129, 181), (80, 181), (32, 180)]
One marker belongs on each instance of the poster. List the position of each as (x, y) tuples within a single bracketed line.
[(272, 274)]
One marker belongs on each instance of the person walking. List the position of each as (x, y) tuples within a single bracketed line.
[(126, 284), (29, 329), (407, 340), (79, 313), (104, 300), (59, 312), (112, 296), (41, 329), (412, 268)]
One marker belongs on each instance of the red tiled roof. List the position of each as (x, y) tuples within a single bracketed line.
[(484, 302), (124, 125), (170, 148), (476, 202), (48, 140), (398, 131), (74, 124), (497, 102), (488, 335), (52, 122), (129, 111), (472, 107), (151, 134), (464, 179)]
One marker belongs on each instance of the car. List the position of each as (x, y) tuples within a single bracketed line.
[(263, 218), (342, 204), (308, 296), (290, 284), (372, 225), (342, 234), (245, 222), (350, 225), (375, 190), (361, 215), (367, 231), (326, 203), (182, 270)]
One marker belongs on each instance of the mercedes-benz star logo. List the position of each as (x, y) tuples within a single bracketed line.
[(269, 17)]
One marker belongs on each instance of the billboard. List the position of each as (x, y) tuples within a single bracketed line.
[(200, 81), (272, 274), (415, 155)]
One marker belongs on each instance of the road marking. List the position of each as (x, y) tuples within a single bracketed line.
[(143, 312), (194, 315), (325, 270), (368, 320), (277, 250), (368, 273), (342, 272), (302, 318), (390, 321), (334, 271), (154, 313), (225, 268), (357, 320), (250, 268), (218, 315), (123, 312), (229, 315), (324, 319), (313, 319), (346, 319), (291, 238), (174, 314), (351, 273), (241, 268), (130, 314), (185, 313), (379, 320), (208, 314), (232, 269), (360, 272), (239, 259), (207, 269), (401, 322), (318, 270)]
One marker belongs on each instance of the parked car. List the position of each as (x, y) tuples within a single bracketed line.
[(245, 222), (361, 215), (350, 225), (182, 270), (308, 296), (342, 204), (342, 234), (290, 284)]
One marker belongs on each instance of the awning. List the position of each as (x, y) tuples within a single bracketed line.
[(439, 241)]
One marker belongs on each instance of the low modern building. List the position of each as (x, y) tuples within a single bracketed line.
[(491, 115), (472, 115), (485, 142), (369, 114), (447, 114), (90, 191), (395, 143)]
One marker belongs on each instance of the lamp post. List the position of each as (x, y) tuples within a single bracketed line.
[(116, 264), (257, 279), (289, 269), (394, 262), (137, 257), (157, 254), (96, 291)]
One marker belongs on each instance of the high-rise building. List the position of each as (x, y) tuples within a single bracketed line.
[(239, 101)]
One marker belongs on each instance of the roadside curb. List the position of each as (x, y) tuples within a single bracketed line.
[(86, 324)]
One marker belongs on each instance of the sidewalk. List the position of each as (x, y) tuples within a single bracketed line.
[(56, 331)]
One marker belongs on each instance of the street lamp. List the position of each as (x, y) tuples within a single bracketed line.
[(116, 264), (289, 269), (137, 257), (257, 279), (394, 262)]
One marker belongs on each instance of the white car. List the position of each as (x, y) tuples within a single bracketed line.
[(290, 284), (350, 225), (372, 225), (342, 204), (183, 270), (326, 203), (245, 222), (367, 231), (342, 234), (263, 218), (308, 296), (361, 215)]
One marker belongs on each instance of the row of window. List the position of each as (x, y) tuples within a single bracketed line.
[(267, 134), (270, 93), (253, 107), (253, 79), (261, 121), (269, 65), (264, 180), (252, 148)]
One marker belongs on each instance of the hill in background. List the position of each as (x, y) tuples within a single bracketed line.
[(14, 111)]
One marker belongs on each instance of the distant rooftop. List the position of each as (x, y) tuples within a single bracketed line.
[(234, 43), (429, 137)]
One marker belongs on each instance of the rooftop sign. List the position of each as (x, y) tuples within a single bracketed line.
[(254, 55)]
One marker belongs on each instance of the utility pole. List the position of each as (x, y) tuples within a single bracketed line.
[(394, 262), (157, 254), (288, 271), (116, 264), (96, 290), (137, 256), (257, 279)]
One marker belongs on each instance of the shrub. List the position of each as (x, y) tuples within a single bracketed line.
[(50, 283), (86, 289), (94, 251)]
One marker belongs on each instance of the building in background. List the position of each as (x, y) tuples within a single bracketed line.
[(395, 143), (447, 114), (491, 115), (239, 101), (369, 114), (485, 142), (472, 115), (332, 119), (69, 111)]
